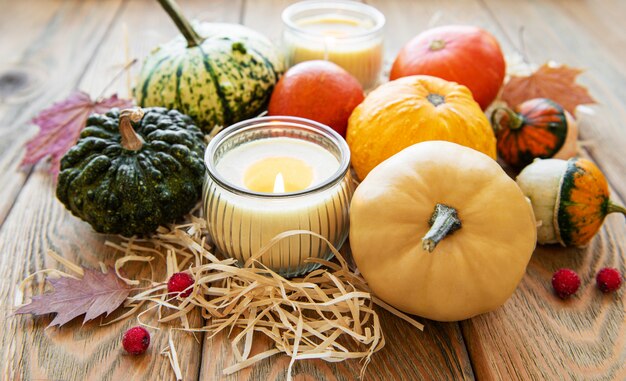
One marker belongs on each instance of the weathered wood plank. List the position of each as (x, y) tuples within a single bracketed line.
[(409, 354), (535, 335), (63, 48), (20, 36), (38, 222), (265, 16), (73, 352)]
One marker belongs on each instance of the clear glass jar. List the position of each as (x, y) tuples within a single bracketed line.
[(241, 221), (347, 33)]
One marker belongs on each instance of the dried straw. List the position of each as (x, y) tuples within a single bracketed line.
[(329, 314)]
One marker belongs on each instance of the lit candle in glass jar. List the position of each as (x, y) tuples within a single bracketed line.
[(347, 33), (274, 174)]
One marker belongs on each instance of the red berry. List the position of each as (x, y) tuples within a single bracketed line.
[(180, 282), (565, 282), (136, 340), (608, 279)]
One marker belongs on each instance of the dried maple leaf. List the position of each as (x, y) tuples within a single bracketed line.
[(96, 293), (556, 83), (60, 126)]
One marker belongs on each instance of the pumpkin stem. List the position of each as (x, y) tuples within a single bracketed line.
[(437, 45), (508, 117), (130, 140), (183, 25), (436, 99), (444, 221), (614, 208)]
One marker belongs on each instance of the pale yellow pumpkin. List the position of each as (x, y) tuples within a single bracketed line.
[(473, 270)]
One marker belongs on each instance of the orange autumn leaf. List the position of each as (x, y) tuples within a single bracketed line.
[(555, 83)]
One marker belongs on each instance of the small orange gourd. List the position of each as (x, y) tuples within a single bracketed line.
[(411, 110), (570, 199), (536, 128)]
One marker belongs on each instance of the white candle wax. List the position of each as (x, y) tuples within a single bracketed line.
[(347, 33), (241, 224), (236, 165)]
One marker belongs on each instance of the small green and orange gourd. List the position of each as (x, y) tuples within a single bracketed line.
[(570, 199), (537, 128)]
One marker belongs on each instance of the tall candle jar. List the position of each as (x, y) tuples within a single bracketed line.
[(269, 175), (347, 33)]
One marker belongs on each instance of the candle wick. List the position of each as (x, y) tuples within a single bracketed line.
[(279, 183)]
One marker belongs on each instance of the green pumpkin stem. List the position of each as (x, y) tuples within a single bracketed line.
[(515, 121), (444, 221), (183, 25), (130, 140), (615, 208)]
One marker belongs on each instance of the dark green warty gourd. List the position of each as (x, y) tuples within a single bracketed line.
[(133, 170)]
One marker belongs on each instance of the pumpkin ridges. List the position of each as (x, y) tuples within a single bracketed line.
[(583, 202), (390, 212), (397, 115), (247, 78), (228, 113), (143, 93), (462, 60), (537, 128), (539, 143), (132, 192)]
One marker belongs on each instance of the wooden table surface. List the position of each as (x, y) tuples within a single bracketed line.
[(534, 336)]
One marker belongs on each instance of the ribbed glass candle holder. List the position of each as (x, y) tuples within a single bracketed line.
[(241, 221)]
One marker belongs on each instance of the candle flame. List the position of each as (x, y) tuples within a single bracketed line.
[(279, 183)]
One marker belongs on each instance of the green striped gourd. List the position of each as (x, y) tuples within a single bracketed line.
[(216, 73)]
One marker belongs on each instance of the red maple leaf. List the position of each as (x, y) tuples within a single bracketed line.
[(61, 124), (555, 83), (93, 295)]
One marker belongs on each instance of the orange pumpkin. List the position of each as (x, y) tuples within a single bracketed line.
[(464, 54), (414, 109), (537, 128), (317, 90)]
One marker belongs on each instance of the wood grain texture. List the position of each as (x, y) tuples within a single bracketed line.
[(535, 335), (63, 47), (72, 352), (39, 222), (265, 16), (409, 354)]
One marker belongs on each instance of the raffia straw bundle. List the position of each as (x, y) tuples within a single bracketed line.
[(328, 315)]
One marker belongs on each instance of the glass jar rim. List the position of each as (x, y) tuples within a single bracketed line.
[(273, 121), (307, 5)]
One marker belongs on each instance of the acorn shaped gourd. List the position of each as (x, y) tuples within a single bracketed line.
[(570, 199)]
